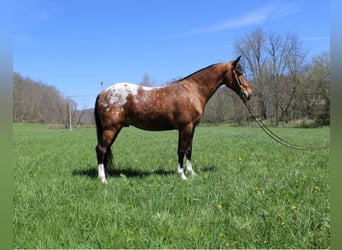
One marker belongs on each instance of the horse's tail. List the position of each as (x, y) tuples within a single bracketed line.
[(108, 158)]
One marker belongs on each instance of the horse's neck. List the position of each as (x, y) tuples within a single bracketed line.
[(210, 80)]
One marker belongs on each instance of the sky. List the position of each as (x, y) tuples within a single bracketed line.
[(75, 45)]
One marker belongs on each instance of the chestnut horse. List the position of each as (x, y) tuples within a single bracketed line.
[(179, 105)]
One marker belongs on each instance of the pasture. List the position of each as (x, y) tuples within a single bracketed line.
[(249, 192)]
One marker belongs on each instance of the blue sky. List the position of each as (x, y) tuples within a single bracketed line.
[(76, 44)]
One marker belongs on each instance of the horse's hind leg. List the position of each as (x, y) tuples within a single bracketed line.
[(103, 148)]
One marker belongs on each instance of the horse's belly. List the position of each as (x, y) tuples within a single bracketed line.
[(152, 121), (152, 124)]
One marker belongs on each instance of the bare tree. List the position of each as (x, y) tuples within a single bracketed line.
[(313, 95), (275, 63), (277, 50), (294, 63), (37, 102), (286, 60), (253, 50), (147, 81)]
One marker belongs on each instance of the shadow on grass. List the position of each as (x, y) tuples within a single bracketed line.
[(129, 172)]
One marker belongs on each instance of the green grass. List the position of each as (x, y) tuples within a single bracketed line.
[(249, 192)]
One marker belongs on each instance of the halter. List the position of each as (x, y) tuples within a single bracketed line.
[(241, 92)]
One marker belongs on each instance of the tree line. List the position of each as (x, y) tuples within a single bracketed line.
[(286, 87), (37, 102)]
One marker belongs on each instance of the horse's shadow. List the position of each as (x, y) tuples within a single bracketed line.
[(128, 172)]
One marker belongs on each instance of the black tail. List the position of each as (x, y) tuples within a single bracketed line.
[(108, 158)]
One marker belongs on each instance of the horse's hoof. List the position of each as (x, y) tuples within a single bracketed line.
[(103, 180), (184, 178), (191, 173)]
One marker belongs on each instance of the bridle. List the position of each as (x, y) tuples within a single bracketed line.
[(239, 85), (263, 126)]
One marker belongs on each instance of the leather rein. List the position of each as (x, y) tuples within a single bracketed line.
[(263, 126)]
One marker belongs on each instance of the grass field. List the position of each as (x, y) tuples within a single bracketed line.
[(249, 192)]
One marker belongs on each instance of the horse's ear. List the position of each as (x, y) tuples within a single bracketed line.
[(235, 63)]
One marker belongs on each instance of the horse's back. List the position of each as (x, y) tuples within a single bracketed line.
[(118, 93)]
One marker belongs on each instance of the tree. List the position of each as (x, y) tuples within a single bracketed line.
[(253, 51), (294, 58), (275, 63), (313, 98), (37, 102), (147, 81)]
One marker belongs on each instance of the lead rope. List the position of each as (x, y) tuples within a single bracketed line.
[(275, 137)]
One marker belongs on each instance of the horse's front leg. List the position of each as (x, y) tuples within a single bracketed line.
[(184, 147), (188, 152), (180, 169)]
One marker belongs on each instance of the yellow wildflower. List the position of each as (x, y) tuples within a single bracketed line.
[(258, 190), (293, 207)]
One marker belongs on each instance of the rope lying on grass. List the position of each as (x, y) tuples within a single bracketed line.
[(275, 137)]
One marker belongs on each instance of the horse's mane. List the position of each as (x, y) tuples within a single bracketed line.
[(195, 73)]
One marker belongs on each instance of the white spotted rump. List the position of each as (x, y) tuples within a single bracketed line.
[(118, 93)]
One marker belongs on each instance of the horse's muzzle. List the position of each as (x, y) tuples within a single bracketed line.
[(245, 95)]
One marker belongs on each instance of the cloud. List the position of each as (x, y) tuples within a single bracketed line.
[(255, 17)]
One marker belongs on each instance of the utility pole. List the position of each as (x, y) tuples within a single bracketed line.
[(70, 124)]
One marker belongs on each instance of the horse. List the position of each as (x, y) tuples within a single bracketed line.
[(178, 105)]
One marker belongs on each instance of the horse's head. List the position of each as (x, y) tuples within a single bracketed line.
[(235, 80)]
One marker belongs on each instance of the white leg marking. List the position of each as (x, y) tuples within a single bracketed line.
[(181, 172), (101, 174), (189, 168)]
